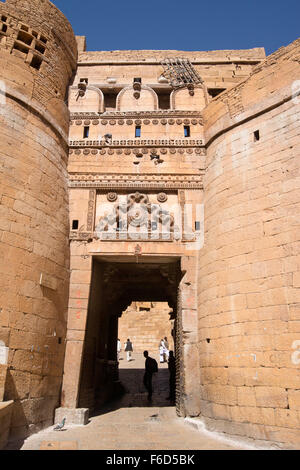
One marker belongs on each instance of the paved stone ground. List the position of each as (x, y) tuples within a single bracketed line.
[(132, 423)]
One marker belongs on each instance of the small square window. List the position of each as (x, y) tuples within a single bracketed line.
[(43, 39), (138, 131), (36, 63), (197, 226), (21, 48), (187, 131), (137, 80), (75, 224), (86, 132), (40, 48), (25, 37)]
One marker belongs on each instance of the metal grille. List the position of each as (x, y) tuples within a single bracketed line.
[(180, 72)]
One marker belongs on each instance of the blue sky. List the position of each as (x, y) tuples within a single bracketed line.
[(184, 25)]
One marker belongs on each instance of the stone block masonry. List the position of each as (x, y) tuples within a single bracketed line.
[(37, 56), (6, 409), (248, 293), (3, 372)]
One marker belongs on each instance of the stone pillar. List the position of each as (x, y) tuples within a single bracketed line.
[(189, 323), (81, 274)]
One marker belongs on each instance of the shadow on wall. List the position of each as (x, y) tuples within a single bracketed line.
[(18, 418), (27, 409)]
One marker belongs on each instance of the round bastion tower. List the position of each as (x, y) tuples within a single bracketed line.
[(38, 55)]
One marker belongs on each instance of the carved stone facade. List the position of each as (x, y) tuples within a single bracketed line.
[(136, 167), (179, 150)]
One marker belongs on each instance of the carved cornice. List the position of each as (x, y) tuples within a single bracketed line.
[(130, 181), (125, 236), (122, 236), (137, 143), (122, 115), (94, 152)]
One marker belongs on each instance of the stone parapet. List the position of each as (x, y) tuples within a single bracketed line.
[(249, 99), (6, 409), (3, 372), (35, 42), (74, 416), (124, 57)]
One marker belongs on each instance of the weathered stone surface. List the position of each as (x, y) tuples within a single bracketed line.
[(3, 372), (6, 409), (249, 265), (37, 57), (77, 416)]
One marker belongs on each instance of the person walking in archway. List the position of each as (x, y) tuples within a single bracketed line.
[(165, 349), (128, 349), (161, 351), (172, 379), (119, 348), (150, 368)]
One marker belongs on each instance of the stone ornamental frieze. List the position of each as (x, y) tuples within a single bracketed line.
[(137, 143), (155, 181), (200, 151), (121, 118)]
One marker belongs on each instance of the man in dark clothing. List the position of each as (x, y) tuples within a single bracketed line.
[(150, 368), (172, 379)]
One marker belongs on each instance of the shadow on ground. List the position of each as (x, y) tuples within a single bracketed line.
[(134, 394)]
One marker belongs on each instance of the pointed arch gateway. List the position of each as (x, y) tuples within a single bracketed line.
[(116, 281)]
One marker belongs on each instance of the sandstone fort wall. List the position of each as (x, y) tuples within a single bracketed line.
[(249, 266), (37, 59)]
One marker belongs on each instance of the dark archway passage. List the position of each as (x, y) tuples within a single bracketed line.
[(115, 285)]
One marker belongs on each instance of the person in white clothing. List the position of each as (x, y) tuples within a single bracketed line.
[(165, 349), (119, 348), (128, 349), (161, 350)]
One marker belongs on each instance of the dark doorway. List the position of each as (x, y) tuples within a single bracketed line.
[(115, 285)]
